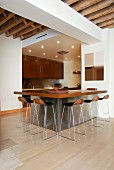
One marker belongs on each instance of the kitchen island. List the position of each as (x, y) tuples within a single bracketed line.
[(58, 100)]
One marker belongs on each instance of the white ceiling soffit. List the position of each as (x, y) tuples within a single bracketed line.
[(56, 15), (39, 37)]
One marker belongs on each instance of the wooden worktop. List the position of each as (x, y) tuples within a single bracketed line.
[(71, 93)]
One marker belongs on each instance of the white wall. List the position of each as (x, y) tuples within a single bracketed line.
[(108, 84), (70, 79), (10, 72), (98, 47), (111, 69)]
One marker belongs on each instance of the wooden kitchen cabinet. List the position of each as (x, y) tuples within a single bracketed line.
[(35, 68), (94, 73), (89, 73), (99, 73), (25, 67), (52, 69), (41, 68)]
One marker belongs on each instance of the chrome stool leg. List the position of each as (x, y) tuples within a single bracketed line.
[(81, 116), (45, 123), (35, 114), (71, 114)]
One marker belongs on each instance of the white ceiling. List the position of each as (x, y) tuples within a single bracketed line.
[(56, 15), (51, 47)]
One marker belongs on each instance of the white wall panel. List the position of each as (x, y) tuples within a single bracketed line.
[(10, 71)]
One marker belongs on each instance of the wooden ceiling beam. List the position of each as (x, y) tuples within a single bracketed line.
[(5, 14), (109, 26), (101, 12), (10, 23), (103, 18), (27, 30), (96, 7), (1, 10), (4, 19), (18, 28), (106, 23), (30, 34), (80, 5), (69, 2)]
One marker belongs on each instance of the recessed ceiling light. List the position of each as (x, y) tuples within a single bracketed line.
[(42, 46), (29, 51), (66, 58), (56, 56), (72, 46), (79, 56), (58, 42), (44, 53)]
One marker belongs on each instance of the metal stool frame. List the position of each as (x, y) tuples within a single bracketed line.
[(71, 113)]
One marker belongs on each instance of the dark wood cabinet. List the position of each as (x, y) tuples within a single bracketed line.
[(52, 69), (99, 73), (89, 73), (34, 67), (94, 73), (25, 67)]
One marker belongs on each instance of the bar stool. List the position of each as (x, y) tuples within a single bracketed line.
[(45, 104), (90, 102), (70, 105), (27, 112), (104, 100)]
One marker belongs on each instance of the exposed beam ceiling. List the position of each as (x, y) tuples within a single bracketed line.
[(12, 24), (100, 12)]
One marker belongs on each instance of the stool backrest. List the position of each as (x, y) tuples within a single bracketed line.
[(106, 96), (96, 98), (38, 101), (78, 102), (22, 99)]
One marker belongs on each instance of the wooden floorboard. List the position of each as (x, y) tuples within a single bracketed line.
[(93, 151)]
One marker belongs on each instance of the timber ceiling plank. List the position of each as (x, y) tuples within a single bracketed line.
[(109, 26), (106, 23), (1, 10), (103, 18), (96, 7), (37, 31), (4, 19), (101, 12), (27, 30), (10, 24), (18, 28), (80, 5)]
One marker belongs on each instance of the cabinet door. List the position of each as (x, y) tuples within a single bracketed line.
[(99, 73), (35, 68), (25, 67), (52, 70), (59, 70), (89, 73)]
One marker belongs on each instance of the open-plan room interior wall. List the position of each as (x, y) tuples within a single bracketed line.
[(107, 46), (111, 69), (72, 79), (10, 72)]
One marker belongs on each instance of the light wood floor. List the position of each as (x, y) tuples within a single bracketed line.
[(93, 151)]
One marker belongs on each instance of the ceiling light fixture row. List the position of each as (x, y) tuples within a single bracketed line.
[(29, 51), (58, 42), (42, 46)]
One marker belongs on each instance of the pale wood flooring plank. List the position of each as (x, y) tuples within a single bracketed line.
[(90, 152)]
